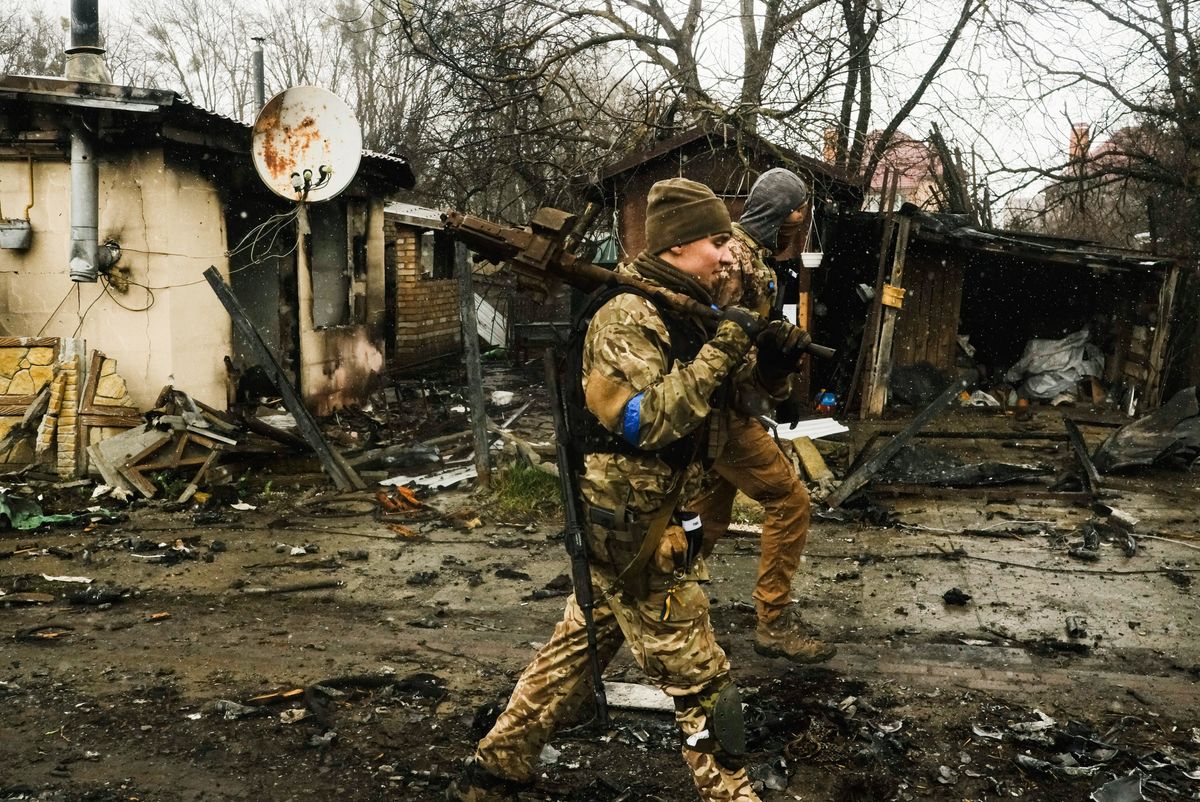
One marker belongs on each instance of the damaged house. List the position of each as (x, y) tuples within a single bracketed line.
[(114, 199), (922, 296)]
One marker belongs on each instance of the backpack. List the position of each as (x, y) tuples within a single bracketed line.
[(589, 436)]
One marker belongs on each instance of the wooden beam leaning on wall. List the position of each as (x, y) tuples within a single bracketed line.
[(344, 476), (878, 376), (870, 332)]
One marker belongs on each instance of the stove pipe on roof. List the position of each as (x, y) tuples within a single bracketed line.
[(85, 54), (85, 63)]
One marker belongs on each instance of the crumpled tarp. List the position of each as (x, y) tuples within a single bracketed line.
[(1055, 366), (1171, 432), (25, 514), (922, 465)]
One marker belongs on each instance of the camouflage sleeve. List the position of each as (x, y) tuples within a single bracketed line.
[(626, 380), (749, 281)]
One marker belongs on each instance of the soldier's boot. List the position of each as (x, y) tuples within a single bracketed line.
[(788, 636), (477, 784)]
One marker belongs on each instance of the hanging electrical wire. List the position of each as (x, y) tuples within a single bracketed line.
[(50, 317), (106, 283), (84, 314)]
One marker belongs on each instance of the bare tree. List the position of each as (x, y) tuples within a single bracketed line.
[(31, 41)]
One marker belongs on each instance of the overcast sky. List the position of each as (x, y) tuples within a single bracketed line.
[(983, 101)]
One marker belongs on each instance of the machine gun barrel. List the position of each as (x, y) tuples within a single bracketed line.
[(541, 260)]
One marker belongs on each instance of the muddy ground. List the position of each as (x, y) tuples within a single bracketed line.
[(137, 694)]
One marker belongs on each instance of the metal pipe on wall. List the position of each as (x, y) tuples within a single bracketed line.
[(85, 206)]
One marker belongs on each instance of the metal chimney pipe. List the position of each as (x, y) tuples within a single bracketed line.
[(85, 54), (85, 62), (85, 207), (260, 80), (85, 27)]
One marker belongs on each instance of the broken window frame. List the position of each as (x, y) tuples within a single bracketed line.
[(435, 255), (339, 272)]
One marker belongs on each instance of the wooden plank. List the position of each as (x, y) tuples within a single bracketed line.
[(983, 435), (29, 342), (12, 410), (875, 463), (931, 313), (111, 421), (1089, 474), (1152, 394), (811, 459), (870, 333), (335, 465), (986, 496), (908, 330), (876, 394), (470, 336), (955, 280)]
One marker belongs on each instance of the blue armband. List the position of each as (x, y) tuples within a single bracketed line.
[(632, 425)]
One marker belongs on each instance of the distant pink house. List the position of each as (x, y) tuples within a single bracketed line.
[(917, 165)]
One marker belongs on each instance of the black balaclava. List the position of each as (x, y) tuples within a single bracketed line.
[(773, 197)]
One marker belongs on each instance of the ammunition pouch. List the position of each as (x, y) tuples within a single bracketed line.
[(724, 737), (631, 542), (617, 540)]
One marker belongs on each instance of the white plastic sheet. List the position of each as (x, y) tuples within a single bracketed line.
[(1051, 367)]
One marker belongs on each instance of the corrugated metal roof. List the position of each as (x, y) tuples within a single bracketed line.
[(172, 107), (958, 230), (411, 214)]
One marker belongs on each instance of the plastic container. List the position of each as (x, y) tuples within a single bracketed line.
[(15, 234)]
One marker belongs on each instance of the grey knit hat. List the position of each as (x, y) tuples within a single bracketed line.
[(774, 196)]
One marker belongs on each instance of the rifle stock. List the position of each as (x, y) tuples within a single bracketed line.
[(581, 574)]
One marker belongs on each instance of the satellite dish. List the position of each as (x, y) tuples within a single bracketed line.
[(307, 144)]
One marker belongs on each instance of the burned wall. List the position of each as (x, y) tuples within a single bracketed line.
[(341, 364)]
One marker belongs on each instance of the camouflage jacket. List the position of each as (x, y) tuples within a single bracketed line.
[(750, 281), (634, 391)]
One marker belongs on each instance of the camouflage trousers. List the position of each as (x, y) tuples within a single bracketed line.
[(680, 655), (752, 463)]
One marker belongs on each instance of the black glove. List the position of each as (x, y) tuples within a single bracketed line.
[(780, 341), (748, 321)]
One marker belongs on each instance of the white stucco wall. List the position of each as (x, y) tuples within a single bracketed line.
[(169, 223)]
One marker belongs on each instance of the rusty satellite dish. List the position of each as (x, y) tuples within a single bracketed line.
[(307, 144)]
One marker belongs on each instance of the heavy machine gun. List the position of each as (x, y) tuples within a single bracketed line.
[(541, 259)]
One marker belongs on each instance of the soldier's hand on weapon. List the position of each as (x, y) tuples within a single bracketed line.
[(737, 331), (672, 552), (780, 340), (747, 321)]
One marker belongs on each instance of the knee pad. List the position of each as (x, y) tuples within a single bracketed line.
[(724, 736)]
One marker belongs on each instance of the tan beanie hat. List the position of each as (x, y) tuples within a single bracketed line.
[(679, 211)]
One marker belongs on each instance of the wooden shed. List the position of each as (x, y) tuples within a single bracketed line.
[(948, 294), (725, 158)]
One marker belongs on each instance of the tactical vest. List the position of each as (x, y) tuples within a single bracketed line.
[(589, 435)]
